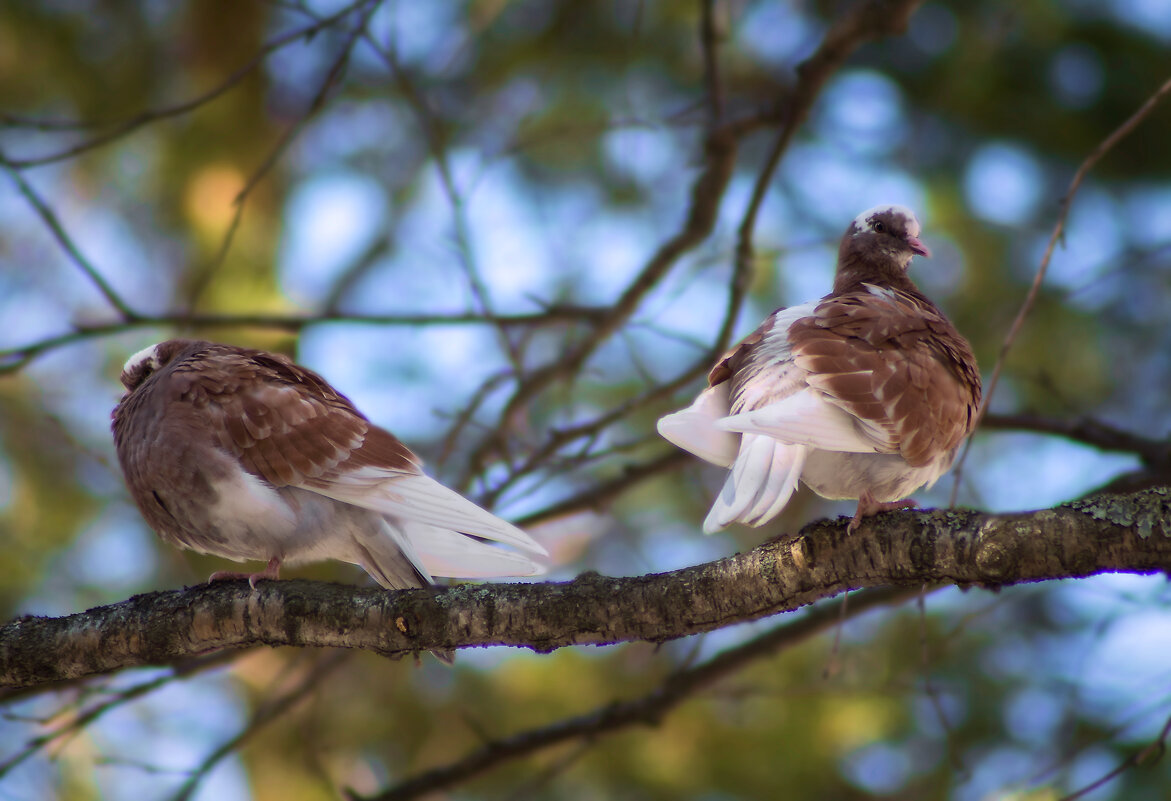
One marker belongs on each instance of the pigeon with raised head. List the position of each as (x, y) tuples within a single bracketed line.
[(245, 455), (864, 394)]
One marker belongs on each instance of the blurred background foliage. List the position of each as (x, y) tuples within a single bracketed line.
[(403, 158)]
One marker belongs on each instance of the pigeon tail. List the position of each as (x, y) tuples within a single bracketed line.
[(449, 553), (388, 554), (419, 498), (760, 483)]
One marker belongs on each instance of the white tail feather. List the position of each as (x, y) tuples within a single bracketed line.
[(418, 498), (446, 553), (760, 483), (788, 462), (390, 557)]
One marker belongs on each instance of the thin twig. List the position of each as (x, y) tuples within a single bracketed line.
[(66, 242), (332, 78), (709, 41), (599, 496), (1153, 452), (706, 194), (932, 692), (559, 438), (1150, 754), (437, 146), (645, 710), (867, 20), (137, 121), (12, 359), (265, 714), (78, 722), (1104, 147)]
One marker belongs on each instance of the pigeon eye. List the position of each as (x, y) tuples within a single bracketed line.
[(878, 226)]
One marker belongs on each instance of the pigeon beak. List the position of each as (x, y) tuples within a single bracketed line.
[(918, 247)]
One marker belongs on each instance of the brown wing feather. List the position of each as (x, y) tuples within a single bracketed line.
[(284, 423), (731, 362), (896, 363)]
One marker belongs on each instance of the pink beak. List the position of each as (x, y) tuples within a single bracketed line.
[(918, 246)]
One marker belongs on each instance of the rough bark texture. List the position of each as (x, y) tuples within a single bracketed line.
[(1127, 533)]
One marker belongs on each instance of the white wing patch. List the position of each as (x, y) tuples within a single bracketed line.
[(696, 428), (246, 501), (804, 418)]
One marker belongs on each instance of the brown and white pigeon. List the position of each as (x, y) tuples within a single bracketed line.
[(245, 455), (866, 393)]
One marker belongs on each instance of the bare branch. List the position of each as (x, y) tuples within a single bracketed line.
[(137, 121), (332, 77), (66, 242), (1153, 452), (13, 359), (1129, 533), (1104, 147), (646, 710), (1148, 755)]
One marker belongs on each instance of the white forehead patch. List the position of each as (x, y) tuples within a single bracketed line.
[(144, 355), (912, 221)]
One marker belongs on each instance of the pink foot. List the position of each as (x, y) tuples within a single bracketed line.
[(868, 507), (270, 573)]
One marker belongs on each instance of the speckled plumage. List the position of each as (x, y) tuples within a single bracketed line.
[(245, 455), (865, 394)]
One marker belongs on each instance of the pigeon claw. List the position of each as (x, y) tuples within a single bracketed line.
[(270, 573), (868, 507)]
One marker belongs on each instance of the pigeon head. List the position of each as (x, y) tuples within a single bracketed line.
[(148, 361), (878, 247)]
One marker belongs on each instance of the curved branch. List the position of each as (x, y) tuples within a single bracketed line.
[(1057, 235), (645, 710), (49, 217), (1130, 533), (869, 19), (12, 359), (1087, 430), (127, 126)]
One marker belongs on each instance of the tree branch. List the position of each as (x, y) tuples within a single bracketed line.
[(645, 710), (1130, 533), (12, 359), (66, 242), (125, 127), (869, 19), (1058, 234), (1153, 452)]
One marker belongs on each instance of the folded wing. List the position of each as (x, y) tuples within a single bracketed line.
[(287, 426)]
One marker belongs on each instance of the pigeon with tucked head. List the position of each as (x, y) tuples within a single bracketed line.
[(864, 394), (244, 454)]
